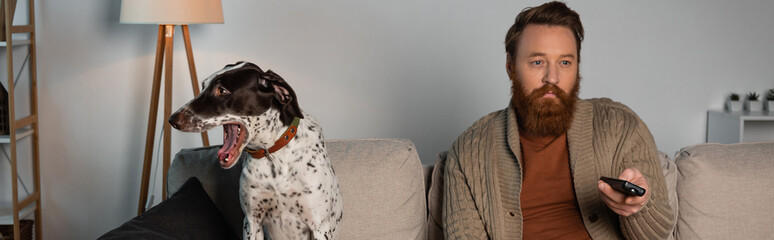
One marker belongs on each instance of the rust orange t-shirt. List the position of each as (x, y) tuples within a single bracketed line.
[(548, 204)]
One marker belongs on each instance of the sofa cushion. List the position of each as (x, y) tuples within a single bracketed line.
[(725, 192), (381, 180), (383, 187)]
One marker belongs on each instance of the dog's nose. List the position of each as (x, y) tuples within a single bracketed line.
[(174, 125), (172, 121), (175, 119), (185, 120)]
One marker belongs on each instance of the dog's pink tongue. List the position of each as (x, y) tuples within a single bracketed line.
[(229, 139)]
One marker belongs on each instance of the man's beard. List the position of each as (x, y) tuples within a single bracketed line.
[(542, 117)]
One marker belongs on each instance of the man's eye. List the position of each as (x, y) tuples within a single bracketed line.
[(538, 62), (565, 62)]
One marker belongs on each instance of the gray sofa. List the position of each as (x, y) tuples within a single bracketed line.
[(719, 191)]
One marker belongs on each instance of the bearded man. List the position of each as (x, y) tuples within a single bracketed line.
[(531, 171)]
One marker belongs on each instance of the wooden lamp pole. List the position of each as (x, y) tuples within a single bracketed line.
[(164, 50)]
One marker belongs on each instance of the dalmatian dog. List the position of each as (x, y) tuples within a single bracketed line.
[(287, 184)]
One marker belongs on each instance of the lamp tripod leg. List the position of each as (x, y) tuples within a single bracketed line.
[(153, 112), (167, 107)]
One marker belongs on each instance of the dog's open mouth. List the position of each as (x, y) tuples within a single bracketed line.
[(233, 141)]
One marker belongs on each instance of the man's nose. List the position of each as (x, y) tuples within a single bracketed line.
[(552, 75)]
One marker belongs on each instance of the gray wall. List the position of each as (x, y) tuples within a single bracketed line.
[(421, 70)]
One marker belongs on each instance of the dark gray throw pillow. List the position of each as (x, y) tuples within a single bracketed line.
[(188, 214)]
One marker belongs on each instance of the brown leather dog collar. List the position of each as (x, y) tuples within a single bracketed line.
[(281, 142)]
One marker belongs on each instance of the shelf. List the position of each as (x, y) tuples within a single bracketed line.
[(740, 126), (6, 213), (19, 42), (745, 115), (21, 133)]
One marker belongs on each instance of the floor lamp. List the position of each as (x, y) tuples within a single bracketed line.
[(167, 14)]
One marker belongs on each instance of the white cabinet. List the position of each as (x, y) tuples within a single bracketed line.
[(735, 127)]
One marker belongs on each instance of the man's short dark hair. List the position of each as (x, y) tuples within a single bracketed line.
[(552, 14)]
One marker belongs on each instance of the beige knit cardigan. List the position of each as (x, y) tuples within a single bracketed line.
[(482, 179)]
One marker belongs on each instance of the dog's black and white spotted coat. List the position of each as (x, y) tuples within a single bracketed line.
[(292, 191)]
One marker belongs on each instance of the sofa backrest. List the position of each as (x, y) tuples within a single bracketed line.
[(725, 191), (382, 184)]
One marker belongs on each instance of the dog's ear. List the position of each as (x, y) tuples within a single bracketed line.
[(250, 65), (284, 95)]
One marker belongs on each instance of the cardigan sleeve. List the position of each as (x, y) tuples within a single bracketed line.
[(461, 219), (654, 220)]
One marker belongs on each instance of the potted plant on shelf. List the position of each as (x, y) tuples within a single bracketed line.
[(751, 102), (769, 105), (732, 103)]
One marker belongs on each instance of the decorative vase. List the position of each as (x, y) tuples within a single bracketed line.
[(769, 106), (733, 106), (753, 105)]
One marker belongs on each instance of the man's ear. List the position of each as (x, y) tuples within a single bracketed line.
[(284, 96), (509, 66)]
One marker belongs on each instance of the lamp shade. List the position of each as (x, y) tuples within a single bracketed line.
[(171, 11)]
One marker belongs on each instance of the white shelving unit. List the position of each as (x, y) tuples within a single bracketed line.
[(742, 126), (5, 139), (6, 217), (21, 206), (16, 43), (6, 210)]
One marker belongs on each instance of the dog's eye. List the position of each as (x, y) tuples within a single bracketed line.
[(222, 91)]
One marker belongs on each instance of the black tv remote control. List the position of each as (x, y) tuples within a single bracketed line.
[(625, 187)]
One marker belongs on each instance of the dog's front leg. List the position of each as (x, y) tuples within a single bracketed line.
[(251, 230), (319, 234)]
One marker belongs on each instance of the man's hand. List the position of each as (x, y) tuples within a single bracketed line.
[(620, 203)]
